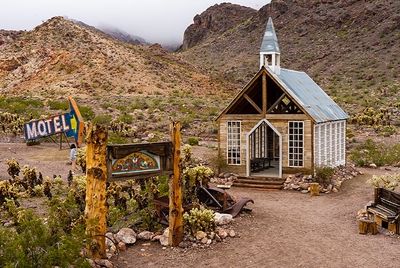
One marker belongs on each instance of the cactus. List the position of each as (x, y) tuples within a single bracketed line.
[(199, 220)]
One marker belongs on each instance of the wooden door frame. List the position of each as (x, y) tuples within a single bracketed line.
[(248, 146)]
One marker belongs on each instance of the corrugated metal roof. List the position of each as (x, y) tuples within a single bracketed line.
[(310, 96), (270, 40)]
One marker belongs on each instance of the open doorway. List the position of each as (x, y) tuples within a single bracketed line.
[(264, 153)]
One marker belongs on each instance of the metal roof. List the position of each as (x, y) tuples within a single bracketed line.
[(270, 40), (309, 95)]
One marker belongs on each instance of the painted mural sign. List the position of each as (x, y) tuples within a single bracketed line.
[(70, 123), (129, 161)]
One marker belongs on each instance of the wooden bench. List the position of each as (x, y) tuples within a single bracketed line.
[(386, 209)]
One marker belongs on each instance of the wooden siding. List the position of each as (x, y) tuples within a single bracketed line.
[(281, 124)]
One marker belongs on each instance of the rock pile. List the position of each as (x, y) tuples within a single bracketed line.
[(225, 179), (300, 182)]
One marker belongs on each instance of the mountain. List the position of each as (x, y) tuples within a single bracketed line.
[(61, 57), (122, 36), (349, 47)]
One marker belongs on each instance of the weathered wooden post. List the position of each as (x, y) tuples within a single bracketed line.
[(96, 172), (314, 189), (175, 190)]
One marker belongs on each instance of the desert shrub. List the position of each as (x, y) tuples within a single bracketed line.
[(13, 168), (126, 118), (371, 152), (192, 177), (199, 220), (386, 131), (11, 123), (81, 158), (38, 190), (116, 138), (102, 119), (34, 243), (7, 191), (387, 181), (86, 112), (58, 105), (324, 175), (193, 141)]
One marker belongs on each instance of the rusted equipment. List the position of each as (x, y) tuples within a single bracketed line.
[(314, 189), (212, 197)]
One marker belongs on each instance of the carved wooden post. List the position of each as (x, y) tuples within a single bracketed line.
[(96, 172), (175, 190)]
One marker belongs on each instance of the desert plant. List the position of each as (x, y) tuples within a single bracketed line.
[(372, 152), (7, 191), (193, 141), (199, 220), (81, 158), (387, 181), (324, 175), (13, 168)]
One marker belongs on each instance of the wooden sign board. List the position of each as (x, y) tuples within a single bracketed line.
[(142, 160)]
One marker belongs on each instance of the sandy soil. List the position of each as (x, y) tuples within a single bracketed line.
[(285, 229)]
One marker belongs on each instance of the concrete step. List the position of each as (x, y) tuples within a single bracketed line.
[(258, 181)]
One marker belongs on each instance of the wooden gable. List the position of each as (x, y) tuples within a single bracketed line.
[(250, 99)]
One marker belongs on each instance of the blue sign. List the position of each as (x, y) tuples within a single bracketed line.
[(70, 123)]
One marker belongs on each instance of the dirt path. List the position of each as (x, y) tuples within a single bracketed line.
[(287, 229)]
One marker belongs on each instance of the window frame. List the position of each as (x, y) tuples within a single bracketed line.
[(237, 159), (297, 147)]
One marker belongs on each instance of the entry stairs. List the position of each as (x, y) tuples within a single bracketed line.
[(260, 183)]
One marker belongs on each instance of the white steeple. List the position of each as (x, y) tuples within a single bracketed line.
[(269, 51)]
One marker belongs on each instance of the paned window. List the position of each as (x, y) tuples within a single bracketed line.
[(234, 129), (296, 143)]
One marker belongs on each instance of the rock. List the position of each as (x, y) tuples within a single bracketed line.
[(212, 235), (217, 238), (126, 235), (329, 188), (104, 263), (112, 249), (304, 191), (184, 244), (145, 235), (121, 246), (109, 239), (200, 235), (295, 187), (91, 263), (204, 240), (232, 233), (304, 186), (222, 219), (335, 190), (373, 165), (222, 233), (8, 224), (164, 238), (109, 255)]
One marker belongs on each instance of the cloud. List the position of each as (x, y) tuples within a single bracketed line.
[(162, 21)]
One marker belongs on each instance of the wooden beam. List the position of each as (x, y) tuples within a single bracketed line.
[(252, 103), (264, 94), (276, 103), (175, 219), (96, 173)]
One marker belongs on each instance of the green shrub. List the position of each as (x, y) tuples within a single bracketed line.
[(102, 119), (324, 175), (86, 112), (116, 138), (58, 105), (371, 152), (199, 220), (126, 118), (193, 141)]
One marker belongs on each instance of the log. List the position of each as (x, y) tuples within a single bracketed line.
[(314, 189), (96, 173), (366, 226), (175, 219)]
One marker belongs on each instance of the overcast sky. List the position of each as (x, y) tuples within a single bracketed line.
[(162, 21)]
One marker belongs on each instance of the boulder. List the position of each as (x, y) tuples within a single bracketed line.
[(164, 238), (121, 246), (232, 233), (373, 165), (222, 219), (204, 240), (104, 263), (109, 239), (126, 235), (145, 235), (200, 235), (222, 233)]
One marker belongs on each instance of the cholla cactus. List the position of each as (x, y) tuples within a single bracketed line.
[(387, 181), (13, 168), (198, 174), (199, 220), (7, 191), (11, 123), (81, 158)]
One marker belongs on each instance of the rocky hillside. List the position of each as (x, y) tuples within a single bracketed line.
[(350, 47), (60, 58)]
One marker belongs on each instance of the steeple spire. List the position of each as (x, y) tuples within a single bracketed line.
[(269, 51)]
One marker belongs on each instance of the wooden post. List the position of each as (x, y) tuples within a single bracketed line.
[(314, 189), (175, 219), (264, 94), (96, 172), (366, 226)]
